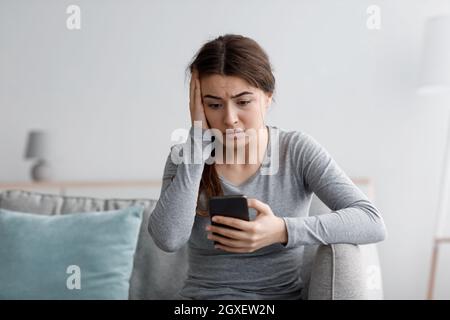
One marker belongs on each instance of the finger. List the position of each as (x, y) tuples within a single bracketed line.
[(258, 205), (234, 234), (233, 222), (228, 242), (198, 92), (194, 73), (198, 100), (192, 87)]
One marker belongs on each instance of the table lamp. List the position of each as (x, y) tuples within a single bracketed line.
[(435, 80), (37, 148)]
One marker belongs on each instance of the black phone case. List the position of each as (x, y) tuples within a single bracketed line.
[(234, 206)]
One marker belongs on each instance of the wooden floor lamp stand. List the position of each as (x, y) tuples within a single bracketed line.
[(441, 215), (434, 261)]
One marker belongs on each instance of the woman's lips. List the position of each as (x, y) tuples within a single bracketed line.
[(237, 133)]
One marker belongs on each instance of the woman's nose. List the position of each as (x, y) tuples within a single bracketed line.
[(230, 116)]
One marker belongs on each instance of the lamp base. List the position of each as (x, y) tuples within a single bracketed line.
[(40, 171)]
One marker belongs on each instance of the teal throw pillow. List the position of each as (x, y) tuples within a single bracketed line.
[(72, 256)]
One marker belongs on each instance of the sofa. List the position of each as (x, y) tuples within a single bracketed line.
[(332, 272)]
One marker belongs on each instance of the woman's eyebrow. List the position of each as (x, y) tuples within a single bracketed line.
[(219, 98)]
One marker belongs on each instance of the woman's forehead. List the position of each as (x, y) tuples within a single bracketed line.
[(225, 86)]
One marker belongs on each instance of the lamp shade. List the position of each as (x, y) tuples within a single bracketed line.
[(435, 69), (37, 145)]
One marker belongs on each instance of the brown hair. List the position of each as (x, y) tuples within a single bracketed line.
[(230, 55)]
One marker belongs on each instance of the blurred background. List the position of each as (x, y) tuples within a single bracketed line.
[(110, 94)]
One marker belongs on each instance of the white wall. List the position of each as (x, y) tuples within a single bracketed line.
[(111, 93)]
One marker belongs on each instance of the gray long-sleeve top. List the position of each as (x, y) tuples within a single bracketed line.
[(294, 167)]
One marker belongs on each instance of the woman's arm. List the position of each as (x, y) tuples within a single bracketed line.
[(171, 221), (353, 219)]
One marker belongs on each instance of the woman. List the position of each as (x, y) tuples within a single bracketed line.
[(231, 89)]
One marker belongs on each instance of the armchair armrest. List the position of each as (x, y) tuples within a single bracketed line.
[(337, 274)]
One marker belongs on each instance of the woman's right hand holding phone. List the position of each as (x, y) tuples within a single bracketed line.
[(195, 101)]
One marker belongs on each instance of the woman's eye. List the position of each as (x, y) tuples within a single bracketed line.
[(241, 103), (244, 102)]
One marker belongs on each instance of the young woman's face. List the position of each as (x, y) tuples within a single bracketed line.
[(232, 103)]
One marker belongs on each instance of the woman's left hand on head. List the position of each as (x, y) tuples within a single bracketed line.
[(264, 230)]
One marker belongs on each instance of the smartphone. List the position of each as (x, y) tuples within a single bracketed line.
[(234, 206)]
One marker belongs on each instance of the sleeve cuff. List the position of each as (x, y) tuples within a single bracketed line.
[(295, 228)]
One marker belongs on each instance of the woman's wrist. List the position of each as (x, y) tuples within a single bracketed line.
[(283, 234)]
